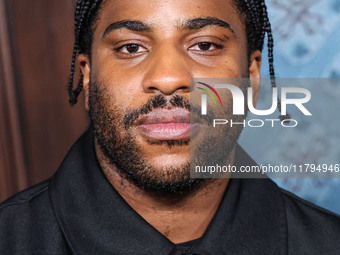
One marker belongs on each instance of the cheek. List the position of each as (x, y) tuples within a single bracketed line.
[(233, 65), (237, 61), (114, 73), (124, 87)]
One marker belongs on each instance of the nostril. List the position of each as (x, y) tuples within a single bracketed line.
[(152, 88), (167, 89), (183, 88)]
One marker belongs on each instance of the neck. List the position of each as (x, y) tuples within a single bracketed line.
[(179, 219)]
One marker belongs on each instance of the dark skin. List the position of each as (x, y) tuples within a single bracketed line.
[(135, 65)]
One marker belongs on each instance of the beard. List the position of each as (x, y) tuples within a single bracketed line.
[(113, 131)]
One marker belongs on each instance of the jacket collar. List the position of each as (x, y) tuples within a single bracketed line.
[(95, 219)]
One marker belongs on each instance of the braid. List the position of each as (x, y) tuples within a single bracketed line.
[(257, 26), (85, 14), (271, 56), (71, 92)]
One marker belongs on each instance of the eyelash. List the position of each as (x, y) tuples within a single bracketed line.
[(119, 49), (217, 46)]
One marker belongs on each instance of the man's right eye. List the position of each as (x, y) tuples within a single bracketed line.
[(131, 49)]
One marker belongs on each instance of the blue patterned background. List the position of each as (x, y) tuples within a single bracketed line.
[(307, 45)]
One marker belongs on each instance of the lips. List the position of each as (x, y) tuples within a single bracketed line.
[(164, 124)]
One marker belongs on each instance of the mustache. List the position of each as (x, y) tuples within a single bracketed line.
[(160, 101), (153, 103)]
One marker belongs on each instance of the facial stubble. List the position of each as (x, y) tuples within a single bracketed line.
[(113, 131)]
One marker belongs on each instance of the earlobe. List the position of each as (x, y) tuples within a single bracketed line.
[(254, 74), (84, 63)]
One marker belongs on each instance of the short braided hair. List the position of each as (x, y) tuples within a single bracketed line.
[(256, 22), (257, 26), (85, 15)]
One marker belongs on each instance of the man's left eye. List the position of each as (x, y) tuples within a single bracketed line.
[(205, 46)]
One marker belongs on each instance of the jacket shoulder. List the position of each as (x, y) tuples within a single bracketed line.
[(24, 196), (311, 229), (28, 224)]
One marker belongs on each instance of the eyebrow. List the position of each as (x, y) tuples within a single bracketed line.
[(199, 23), (191, 24), (133, 25)]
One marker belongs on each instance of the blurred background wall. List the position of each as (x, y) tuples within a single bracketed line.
[(37, 125), (307, 45)]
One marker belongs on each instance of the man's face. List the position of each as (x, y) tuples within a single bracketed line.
[(137, 85)]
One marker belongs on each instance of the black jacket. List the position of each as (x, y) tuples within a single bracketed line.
[(77, 211)]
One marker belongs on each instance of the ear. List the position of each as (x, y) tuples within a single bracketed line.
[(254, 74), (84, 63)]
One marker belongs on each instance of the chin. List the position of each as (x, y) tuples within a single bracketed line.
[(168, 161)]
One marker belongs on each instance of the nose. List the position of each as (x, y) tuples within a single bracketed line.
[(167, 72)]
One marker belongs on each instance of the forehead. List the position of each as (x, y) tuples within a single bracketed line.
[(168, 13)]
